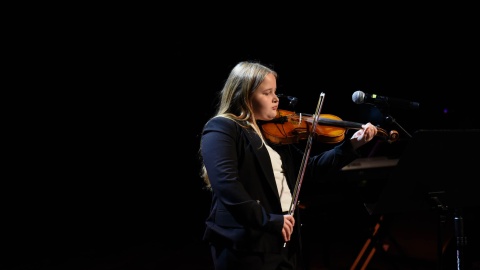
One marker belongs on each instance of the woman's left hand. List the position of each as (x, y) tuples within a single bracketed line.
[(363, 135)]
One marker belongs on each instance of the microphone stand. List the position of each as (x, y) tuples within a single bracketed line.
[(461, 238), (389, 119)]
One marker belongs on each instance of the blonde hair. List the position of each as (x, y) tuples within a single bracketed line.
[(236, 98)]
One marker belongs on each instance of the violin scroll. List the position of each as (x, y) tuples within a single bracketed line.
[(391, 136)]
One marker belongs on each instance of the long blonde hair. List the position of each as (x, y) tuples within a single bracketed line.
[(236, 98)]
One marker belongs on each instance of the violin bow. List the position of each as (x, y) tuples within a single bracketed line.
[(306, 155)]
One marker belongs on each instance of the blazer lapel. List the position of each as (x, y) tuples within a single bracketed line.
[(264, 159)]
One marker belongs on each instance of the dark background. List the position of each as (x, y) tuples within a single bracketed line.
[(106, 175)]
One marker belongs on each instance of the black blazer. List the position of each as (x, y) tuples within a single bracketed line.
[(245, 212)]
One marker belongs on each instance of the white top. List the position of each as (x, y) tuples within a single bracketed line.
[(282, 186)]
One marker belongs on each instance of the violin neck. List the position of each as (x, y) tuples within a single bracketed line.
[(338, 123)]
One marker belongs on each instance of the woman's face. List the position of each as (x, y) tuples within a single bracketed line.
[(265, 100)]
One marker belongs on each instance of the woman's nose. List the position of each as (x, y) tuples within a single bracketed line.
[(276, 99)]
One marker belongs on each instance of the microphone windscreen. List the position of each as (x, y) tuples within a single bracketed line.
[(358, 97)]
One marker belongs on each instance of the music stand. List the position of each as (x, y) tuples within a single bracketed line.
[(435, 168)]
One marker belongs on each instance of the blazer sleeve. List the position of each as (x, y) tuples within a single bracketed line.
[(329, 161)]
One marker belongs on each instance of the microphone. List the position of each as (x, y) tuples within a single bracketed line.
[(292, 101), (360, 97)]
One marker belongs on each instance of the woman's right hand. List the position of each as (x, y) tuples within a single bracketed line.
[(287, 230)]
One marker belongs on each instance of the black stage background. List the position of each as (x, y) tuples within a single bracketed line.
[(107, 161)]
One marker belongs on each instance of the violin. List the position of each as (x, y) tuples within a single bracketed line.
[(289, 127)]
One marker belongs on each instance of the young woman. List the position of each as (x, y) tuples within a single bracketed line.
[(249, 226)]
